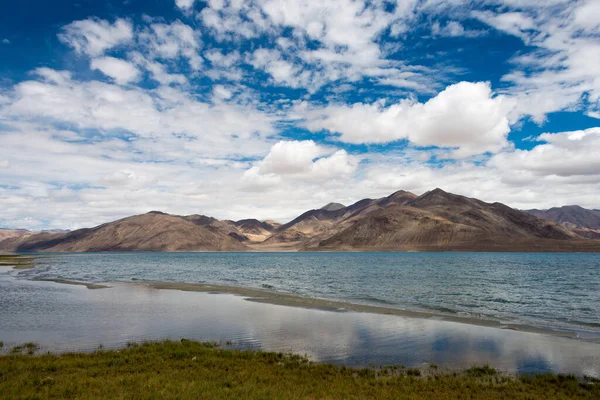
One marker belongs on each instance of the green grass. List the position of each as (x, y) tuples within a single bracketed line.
[(192, 370)]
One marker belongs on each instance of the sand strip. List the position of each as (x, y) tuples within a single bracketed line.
[(284, 299), (77, 283)]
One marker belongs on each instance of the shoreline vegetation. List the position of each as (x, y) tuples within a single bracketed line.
[(17, 261), (187, 369)]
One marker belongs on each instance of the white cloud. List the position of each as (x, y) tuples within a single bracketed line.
[(586, 15), (170, 41), (184, 4), (94, 36), (290, 157), (465, 116), (126, 178), (221, 92), (303, 160), (162, 114), (564, 154), (347, 33), (515, 23), (454, 29), (158, 71), (121, 71), (282, 71), (561, 73)]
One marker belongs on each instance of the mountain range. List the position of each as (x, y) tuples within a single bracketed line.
[(403, 221), (584, 222)]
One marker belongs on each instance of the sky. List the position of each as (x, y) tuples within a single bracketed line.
[(267, 108)]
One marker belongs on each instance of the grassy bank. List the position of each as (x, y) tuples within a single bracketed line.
[(191, 370), (17, 261)]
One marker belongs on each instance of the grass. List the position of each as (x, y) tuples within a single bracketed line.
[(17, 261), (192, 370)]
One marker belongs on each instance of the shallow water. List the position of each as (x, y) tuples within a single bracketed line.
[(65, 317), (540, 289)]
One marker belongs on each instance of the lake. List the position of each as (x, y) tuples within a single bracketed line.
[(555, 291)]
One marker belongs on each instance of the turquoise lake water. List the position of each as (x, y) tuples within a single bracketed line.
[(541, 289)]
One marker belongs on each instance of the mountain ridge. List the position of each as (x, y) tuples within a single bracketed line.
[(584, 222), (434, 221)]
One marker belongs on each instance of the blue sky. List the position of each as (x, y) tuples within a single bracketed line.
[(266, 108)]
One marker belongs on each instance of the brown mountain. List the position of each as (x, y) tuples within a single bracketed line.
[(310, 228), (580, 220), (154, 231), (443, 221), (255, 230), (403, 221), (11, 233), (217, 226)]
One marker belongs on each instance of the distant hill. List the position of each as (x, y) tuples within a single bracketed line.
[(583, 221), (11, 233), (402, 221), (154, 231)]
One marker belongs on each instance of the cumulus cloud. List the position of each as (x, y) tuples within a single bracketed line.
[(121, 71), (290, 157), (184, 4), (465, 116), (563, 154), (94, 36), (303, 160)]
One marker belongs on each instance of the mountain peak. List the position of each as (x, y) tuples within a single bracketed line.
[(333, 207), (437, 191)]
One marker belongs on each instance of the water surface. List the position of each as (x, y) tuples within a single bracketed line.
[(540, 289)]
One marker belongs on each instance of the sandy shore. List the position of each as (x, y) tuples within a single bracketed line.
[(284, 299), (77, 283)]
